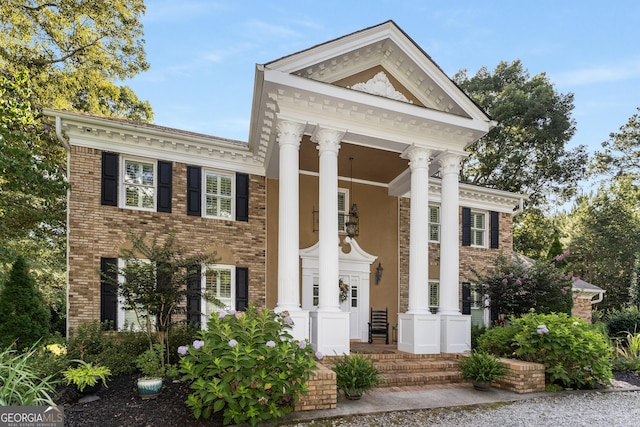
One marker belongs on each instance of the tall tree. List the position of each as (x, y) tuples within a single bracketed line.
[(531, 233), (621, 155), (527, 150), (74, 51), (64, 54), (603, 238)]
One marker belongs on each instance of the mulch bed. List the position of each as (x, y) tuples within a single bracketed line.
[(120, 405)]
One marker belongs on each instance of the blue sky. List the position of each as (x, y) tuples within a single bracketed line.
[(203, 53)]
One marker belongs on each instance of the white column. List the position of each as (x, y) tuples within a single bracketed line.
[(329, 325), (289, 137), (418, 329), (455, 329), (328, 141), (449, 239), (419, 232)]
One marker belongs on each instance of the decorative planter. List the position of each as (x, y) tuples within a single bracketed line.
[(149, 388), (482, 385), (353, 394)]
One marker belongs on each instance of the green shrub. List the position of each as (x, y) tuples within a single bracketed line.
[(575, 354), (621, 322), (20, 383), (50, 361), (355, 374), (88, 340), (476, 332), (120, 356), (481, 367), (246, 365), (25, 317), (86, 374), (498, 340)]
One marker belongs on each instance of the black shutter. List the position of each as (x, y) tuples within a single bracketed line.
[(108, 292), (164, 186), (466, 227), (109, 184), (194, 297), (466, 298), (242, 197), (495, 229), (194, 185), (242, 288)]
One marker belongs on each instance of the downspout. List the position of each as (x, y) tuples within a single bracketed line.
[(67, 148)]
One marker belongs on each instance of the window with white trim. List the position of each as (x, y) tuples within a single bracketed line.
[(219, 288), (343, 209), (139, 184), (434, 223), (477, 299), (434, 296), (218, 195), (478, 228), (129, 319)]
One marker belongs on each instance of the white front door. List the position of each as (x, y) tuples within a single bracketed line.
[(351, 304)]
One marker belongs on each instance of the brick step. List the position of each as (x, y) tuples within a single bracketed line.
[(416, 365), (402, 379)]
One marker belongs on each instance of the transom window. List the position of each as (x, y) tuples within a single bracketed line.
[(218, 195), (139, 184), (478, 228), (434, 223)]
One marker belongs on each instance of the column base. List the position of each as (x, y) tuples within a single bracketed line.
[(300, 327), (455, 333), (330, 332), (419, 333)]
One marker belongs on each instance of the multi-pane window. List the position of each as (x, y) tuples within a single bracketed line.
[(316, 291), (128, 318), (434, 223), (434, 296), (139, 184), (218, 288), (477, 299), (343, 209), (478, 228), (218, 195)]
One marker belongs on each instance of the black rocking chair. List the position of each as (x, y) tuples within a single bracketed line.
[(379, 324)]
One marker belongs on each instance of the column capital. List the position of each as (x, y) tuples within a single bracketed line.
[(419, 157), (450, 163), (289, 132), (327, 139)]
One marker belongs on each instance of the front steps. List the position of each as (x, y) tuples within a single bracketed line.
[(399, 369)]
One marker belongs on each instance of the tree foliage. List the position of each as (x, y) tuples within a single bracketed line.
[(621, 155), (602, 233), (155, 281), (74, 51), (515, 288), (527, 150), (25, 319), (531, 235)]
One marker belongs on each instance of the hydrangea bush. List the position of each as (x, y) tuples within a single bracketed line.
[(575, 354), (247, 365)]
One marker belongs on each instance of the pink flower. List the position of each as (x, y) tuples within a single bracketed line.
[(505, 281), (518, 282), (559, 257)]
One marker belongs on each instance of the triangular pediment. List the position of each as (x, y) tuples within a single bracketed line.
[(353, 60)]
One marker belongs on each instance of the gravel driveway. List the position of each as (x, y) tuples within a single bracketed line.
[(592, 409)]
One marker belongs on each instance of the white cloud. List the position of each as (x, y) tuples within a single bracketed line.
[(623, 70)]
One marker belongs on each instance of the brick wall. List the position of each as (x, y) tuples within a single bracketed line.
[(323, 392), (522, 377), (582, 309), (97, 231), (470, 258)]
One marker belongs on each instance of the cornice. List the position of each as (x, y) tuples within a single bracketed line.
[(158, 142)]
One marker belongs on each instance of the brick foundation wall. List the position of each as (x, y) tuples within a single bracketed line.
[(97, 231), (521, 377), (323, 392)]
